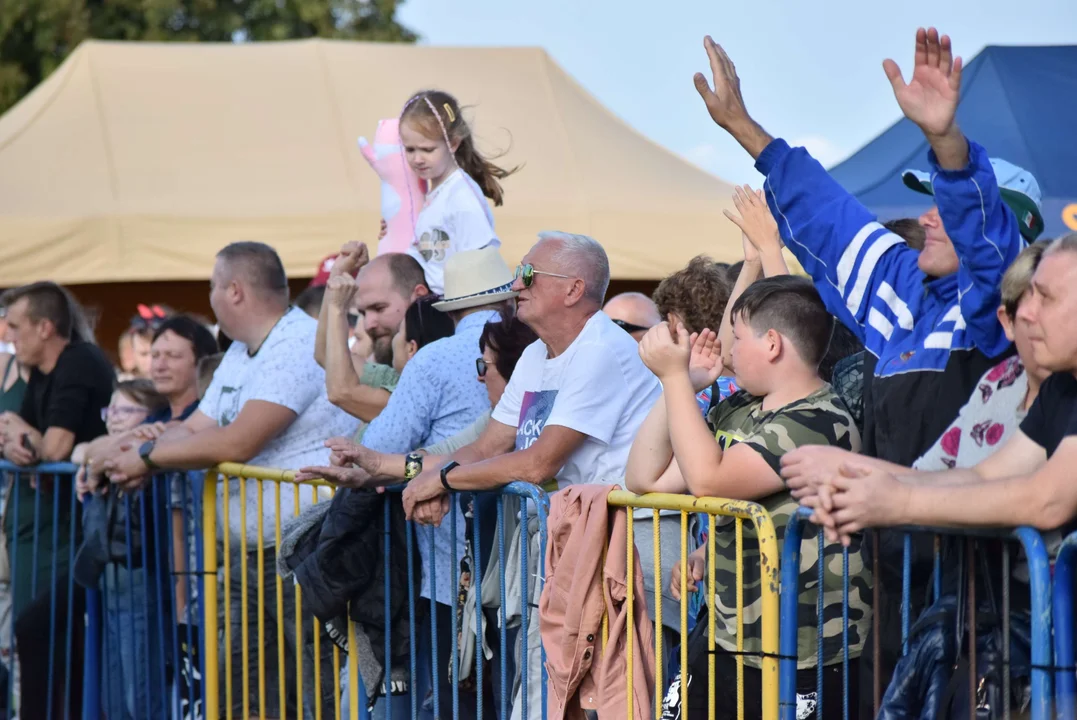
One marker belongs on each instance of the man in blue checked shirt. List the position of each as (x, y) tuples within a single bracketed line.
[(927, 319)]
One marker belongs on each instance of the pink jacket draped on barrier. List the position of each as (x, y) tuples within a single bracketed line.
[(580, 587)]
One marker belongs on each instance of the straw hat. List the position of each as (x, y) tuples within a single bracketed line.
[(474, 278)]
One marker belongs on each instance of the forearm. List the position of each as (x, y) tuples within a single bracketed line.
[(320, 334), (751, 136), (651, 451), (697, 453), (201, 451), (749, 273), (773, 263), (951, 149), (942, 478), (498, 471), (1008, 502), (341, 381)]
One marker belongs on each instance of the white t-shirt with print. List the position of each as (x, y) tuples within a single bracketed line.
[(598, 386), (455, 217), (283, 372)]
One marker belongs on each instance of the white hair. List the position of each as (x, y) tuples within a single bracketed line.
[(587, 259)]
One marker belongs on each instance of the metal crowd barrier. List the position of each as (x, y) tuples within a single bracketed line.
[(738, 511), (1040, 650), (1062, 611), (309, 700)]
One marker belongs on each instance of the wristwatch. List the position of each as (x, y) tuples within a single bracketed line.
[(445, 472), (144, 452), (413, 465)]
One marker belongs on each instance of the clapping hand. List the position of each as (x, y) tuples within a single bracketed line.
[(755, 221), (665, 352), (705, 361), (930, 97)]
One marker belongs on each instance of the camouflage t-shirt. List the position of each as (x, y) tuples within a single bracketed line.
[(819, 419)]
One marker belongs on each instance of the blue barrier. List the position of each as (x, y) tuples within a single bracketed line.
[(526, 494), (1062, 600), (1040, 611)]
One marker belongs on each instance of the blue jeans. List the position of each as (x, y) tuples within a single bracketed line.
[(133, 645)]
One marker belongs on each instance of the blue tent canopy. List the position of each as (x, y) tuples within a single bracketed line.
[(1018, 102)]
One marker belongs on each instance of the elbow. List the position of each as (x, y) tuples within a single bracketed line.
[(636, 483)]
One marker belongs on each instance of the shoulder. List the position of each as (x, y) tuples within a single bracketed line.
[(822, 418), (86, 358)]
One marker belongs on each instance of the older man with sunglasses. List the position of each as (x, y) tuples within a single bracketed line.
[(576, 398), (633, 312)]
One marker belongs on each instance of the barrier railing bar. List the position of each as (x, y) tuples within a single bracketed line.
[(1006, 631), (387, 672), (413, 636), (282, 686), (35, 484), (820, 579), (844, 632), (712, 670), (906, 585), (298, 623), (159, 573), (211, 702), (13, 553), (454, 648), (684, 614), (476, 575), (73, 510), (1065, 677), (315, 634), (739, 553), (52, 587), (502, 611), (434, 669), (630, 596), (259, 554), (656, 540), (525, 608)]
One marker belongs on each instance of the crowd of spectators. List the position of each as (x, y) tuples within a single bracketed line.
[(923, 373)]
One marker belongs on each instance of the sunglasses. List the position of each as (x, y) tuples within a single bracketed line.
[(480, 367), (528, 272), (628, 327)]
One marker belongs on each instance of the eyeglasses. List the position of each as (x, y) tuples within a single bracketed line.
[(528, 272), (480, 367), (628, 327), (119, 412)]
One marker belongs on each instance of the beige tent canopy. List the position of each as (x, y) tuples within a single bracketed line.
[(139, 161)]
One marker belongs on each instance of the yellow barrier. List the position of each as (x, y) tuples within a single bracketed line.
[(245, 474), (769, 556)]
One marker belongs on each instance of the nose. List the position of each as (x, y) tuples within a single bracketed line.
[(369, 321), (930, 219), (1028, 309), (518, 284)]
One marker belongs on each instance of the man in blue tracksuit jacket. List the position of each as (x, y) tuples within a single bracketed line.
[(927, 319)]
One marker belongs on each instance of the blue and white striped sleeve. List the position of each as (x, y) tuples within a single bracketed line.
[(987, 238), (866, 275)]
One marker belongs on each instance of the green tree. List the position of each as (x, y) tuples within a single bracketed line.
[(36, 35)]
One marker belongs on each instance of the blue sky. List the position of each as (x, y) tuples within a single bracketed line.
[(810, 72)]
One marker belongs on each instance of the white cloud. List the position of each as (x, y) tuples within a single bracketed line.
[(822, 149)]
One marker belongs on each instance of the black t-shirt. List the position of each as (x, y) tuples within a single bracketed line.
[(73, 395), (1053, 416)]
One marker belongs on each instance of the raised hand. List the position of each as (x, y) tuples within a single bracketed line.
[(665, 352), (353, 256), (705, 360), (724, 103), (340, 292), (930, 97), (755, 221)]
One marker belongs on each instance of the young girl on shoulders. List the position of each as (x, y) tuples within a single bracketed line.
[(439, 148)]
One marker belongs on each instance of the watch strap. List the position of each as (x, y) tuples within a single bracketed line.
[(445, 475)]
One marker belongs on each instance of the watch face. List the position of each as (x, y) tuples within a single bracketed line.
[(412, 467)]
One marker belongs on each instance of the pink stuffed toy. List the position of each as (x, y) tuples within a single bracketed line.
[(402, 192)]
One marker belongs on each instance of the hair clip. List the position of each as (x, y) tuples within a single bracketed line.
[(449, 112)]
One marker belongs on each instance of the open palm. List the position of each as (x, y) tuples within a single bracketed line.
[(930, 97), (705, 360)]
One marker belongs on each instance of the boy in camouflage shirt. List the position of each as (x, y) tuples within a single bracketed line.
[(781, 331)]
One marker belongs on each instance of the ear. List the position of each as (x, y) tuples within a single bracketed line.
[(575, 292), (419, 291), (454, 146), (775, 345), (1007, 323), (413, 347)]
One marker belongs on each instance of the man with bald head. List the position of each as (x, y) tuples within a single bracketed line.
[(576, 398), (634, 312)]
